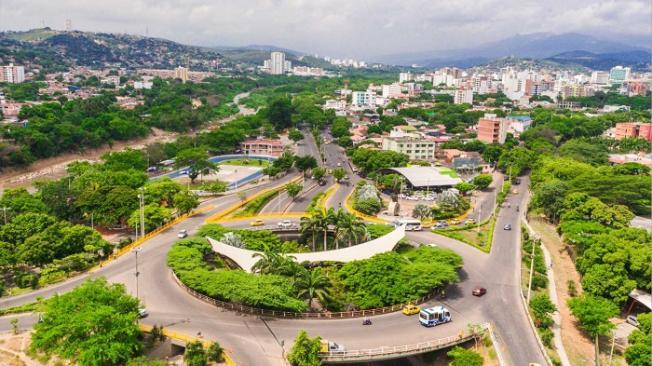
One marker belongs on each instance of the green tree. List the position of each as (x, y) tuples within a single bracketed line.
[(155, 216), (464, 357), (305, 351), (195, 355), (196, 159), (482, 181), (94, 324), (295, 135), (279, 113), (339, 174), (542, 307), (593, 314), (124, 160), (305, 163), (312, 284), (293, 189), (464, 187), (214, 352), (638, 352), (185, 201), (318, 173)]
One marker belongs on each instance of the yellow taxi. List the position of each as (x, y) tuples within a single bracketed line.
[(411, 309), (257, 222)]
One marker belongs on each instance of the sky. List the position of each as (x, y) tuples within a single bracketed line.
[(341, 28)]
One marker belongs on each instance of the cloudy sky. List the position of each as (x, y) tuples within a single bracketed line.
[(343, 28)]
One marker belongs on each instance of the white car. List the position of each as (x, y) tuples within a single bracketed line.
[(631, 319), (142, 313), (285, 224), (182, 233)]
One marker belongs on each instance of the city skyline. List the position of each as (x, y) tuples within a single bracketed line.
[(337, 28)]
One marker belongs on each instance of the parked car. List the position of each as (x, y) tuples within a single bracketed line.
[(257, 222), (479, 291), (454, 222), (411, 309), (631, 319), (142, 313), (441, 225), (507, 227), (182, 233)]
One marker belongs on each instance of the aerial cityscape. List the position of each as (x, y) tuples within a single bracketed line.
[(421, 183)]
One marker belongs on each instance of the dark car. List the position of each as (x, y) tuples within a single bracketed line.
[(479, 291)]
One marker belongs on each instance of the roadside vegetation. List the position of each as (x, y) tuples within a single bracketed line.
[(280, 283)]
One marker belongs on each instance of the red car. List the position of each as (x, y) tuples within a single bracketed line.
[(479, 291)]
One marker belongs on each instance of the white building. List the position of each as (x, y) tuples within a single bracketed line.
[(12, 74), (277, 63), (143, 85), (415, 148), (463, 95), (362, 99), (392, 91), (405, 77)]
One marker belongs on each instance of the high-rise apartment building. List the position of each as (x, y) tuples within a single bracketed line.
[(492, 129), (277, 63), (599, 77), (12, 74)]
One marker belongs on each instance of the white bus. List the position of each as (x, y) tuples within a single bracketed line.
[(410, 224)]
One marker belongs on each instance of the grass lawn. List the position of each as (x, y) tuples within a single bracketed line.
[(448, 171), (246, 162), (479, 236)]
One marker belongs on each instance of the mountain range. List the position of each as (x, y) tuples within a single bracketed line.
[(535, 45)]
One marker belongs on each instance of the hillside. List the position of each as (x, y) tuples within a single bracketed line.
[(638, 60), (101, 49)]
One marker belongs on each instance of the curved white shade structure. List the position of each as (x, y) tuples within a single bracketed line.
[(246, 260)]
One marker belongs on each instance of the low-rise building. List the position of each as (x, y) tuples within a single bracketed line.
[(362, 99), (262, 147), (414, 148), (633, 130), (492, 129)]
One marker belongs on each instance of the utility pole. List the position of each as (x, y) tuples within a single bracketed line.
[(136, 251), (141, 197)]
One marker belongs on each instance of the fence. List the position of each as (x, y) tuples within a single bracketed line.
[(294, 315), (188, 339), (402, 350)]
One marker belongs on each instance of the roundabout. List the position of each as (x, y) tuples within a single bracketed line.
[(262, 340)]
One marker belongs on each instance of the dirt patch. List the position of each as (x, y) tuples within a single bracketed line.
[(55, 167), (578, 347)]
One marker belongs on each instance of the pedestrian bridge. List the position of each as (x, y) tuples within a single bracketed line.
[(246, 259)]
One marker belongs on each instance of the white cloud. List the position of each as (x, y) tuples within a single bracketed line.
[(339, 27)]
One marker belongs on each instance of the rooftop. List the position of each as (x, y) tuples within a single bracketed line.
[(425, 176)]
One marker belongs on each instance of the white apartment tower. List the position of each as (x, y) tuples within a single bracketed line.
[(277, 63), (12, 74)]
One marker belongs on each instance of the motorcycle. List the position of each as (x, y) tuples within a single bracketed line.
[(366, 322)]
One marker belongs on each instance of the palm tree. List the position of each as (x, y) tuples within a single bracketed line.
[(266, 263), (321, 222), (312, 284), (335, 218), (350, 228), (310, 225)]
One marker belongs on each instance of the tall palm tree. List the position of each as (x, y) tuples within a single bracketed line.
[(334, 219), (321, 223), (350, 228), (310, 225), (313, 284)]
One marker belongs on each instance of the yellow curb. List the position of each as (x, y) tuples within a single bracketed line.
[(323, 202), (347, 205), (187, 339), (269, 215), (222, 214)]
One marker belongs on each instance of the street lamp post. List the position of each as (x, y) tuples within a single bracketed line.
[(141, 201), (137, 274)]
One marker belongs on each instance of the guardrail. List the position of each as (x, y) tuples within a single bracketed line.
[(399, 351), (185, 338), (294, 315)]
